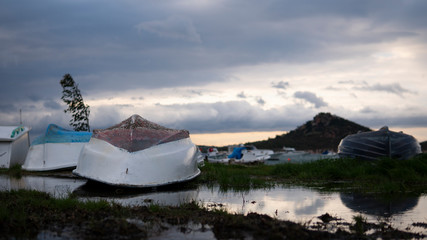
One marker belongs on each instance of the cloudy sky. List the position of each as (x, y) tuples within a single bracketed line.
[(217, 66)]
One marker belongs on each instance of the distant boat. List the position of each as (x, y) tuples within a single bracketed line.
[(249, 154), (58, 148), (377, 144), (290, 155), (139, 153), (14, 144)]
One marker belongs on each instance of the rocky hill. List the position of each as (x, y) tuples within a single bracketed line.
[(424, 146), (324, 132)]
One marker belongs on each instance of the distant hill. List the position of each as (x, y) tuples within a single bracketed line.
[(324, 132), (424, 146)]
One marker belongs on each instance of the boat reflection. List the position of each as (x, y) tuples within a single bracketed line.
[(379, 206), (58, 187), (169, 195)]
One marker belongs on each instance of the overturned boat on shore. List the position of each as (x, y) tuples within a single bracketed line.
[(58, 148), (377, 144), (139, 153), (14, 144)]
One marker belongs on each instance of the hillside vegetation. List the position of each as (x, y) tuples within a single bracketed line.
[(322, 133)]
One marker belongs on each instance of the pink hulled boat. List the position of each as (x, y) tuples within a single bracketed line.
[(139, 153)]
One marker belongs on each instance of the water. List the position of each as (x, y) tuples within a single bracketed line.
[(296, 204)]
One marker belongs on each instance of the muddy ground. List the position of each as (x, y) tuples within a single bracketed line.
[(106, 221)]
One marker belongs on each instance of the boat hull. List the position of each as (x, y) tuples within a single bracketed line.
[(57, 149), (53, 156), (381, 143), (13, 149), (158, 165)]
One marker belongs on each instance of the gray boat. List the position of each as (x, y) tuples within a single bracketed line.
[(377, 144)]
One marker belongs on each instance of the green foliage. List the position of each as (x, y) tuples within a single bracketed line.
[(15, 171), (72, 97)]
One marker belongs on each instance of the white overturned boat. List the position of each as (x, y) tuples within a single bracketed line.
[(139, 153), (377, 144), (57, 149), (14, 144)]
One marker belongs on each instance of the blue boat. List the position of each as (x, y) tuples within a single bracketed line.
[(58, 148)]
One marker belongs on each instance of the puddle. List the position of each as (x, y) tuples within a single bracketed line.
[(296, 204)]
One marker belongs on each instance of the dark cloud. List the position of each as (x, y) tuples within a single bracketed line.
[(52, 105), (109, 47), (233, 116), (311, 98), (175, 27), (7, 108)]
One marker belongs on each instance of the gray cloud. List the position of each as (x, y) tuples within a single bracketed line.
[(311, 98), (393, 121), (393, 88), (260, 101), (241, 95), (112, 46), (176, 27), (280, 85), (232, 116), (367, 110), (52, 105)]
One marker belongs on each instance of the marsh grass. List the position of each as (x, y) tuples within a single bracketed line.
[(14, 171), (236, 177), (25, 213), (382, 176)]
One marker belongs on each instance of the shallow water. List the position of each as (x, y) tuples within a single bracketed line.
[(297, 204)]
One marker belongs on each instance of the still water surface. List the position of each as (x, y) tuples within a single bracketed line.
[(297, 204)]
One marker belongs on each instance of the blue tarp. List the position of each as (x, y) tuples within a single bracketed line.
[(56, 134), (237, 153)]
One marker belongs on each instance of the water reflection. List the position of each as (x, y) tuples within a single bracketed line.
[(287, 203), (172, 195), (379, 205), (57, 187)]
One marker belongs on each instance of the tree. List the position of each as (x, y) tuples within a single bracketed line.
[(72, 97)]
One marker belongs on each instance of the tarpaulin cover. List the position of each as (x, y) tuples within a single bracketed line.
[(237, 153), (136, 133), (381, 143), (56, 134)]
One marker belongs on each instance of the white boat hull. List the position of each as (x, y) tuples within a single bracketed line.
[(158, 165), (53, 156), (13, 149)]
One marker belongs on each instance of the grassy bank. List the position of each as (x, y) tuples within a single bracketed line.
[(25, 214), (382, 176)]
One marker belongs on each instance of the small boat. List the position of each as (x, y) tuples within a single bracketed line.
[(139, 153), (377, 144), (58, 148), (14, 144), (249, 154), (214, 156), (290, 155)]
